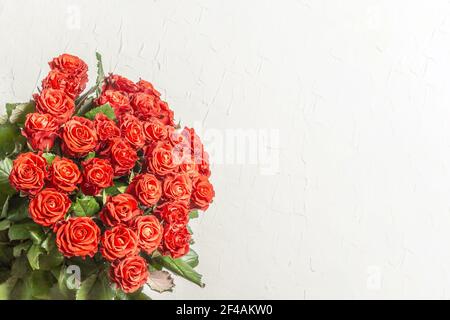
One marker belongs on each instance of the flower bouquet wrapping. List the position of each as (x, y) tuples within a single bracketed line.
[(97, 189)]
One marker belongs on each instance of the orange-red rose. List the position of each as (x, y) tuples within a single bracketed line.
[(177, 187), (130, 274), (117, 100), (149, 232), (176, 240), (132, 131), (146, 188), (105, 127), (155, 130), (120, 83), (147, 87), (28, 173), (71, 65), (160, 159), (174, 212), (122, 208), (123, 157), (119, 242), (202, 193), (48, 207), (64, 174), (145, 105), (97, 175), (79, 137), (77, 237), (55, 102), (41, 130), (70, 84)]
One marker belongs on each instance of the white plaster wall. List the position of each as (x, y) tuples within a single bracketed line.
[(358, 93)]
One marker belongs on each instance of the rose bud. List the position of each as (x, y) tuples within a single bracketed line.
[(117, 100), (121, 208), (176, 240), (41, 130), (149, 232), (123, 157), (48, 207), (177, 187), (77, 237), (64, 174), (130, 274), (202, 193), (28, 173), (132, 131), (98, 174), (71, 85), (160, 159), (79, 137), (155, 130), (146, 188), (174, 212), (119, 242), (55, 102)]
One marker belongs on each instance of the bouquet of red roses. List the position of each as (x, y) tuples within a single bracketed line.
[(97, 189)]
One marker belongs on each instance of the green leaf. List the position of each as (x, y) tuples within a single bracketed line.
[(4, 224), (191, 258), (52, 258), (193, 214), (21, 247), (21, 291), (33, 256), (96, 287), (20, 267), (5, 169), (40, 282), (9, 133), (61, 288), (49, 157), (86, 206), (6, 254), (17, 209), (117, 188), (6, 288), (181, 268), (138, 295), (106, 109), (5, 273), (90, 155), (26, 230), (19, 112)]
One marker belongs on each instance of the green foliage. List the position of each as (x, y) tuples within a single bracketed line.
[(193, 214), (5, 169), (180, 267), (49, 157), (9, 138), (96, 287), (86, 206), (106, 109), (17, 112)]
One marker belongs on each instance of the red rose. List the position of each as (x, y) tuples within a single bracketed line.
[(165, 114), (160, 159), (105, 127), (155, 130), (176, 240), (121, 208), (203, 165), (72, 65), (41, 130), (118, 243), (177, 187), (55, 102), (98, 174), (77, 237), (130, 274), (123, 157), (48, 207), (145, 105), (149, 232), (120, 83), (202, 193), (117, 100), (79, 137), (132, 131), (147, 87), (146, 188), (174, 212), (28, 173), (64, 174), (70, 84)]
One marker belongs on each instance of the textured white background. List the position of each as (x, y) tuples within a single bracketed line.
[(359, 206)]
